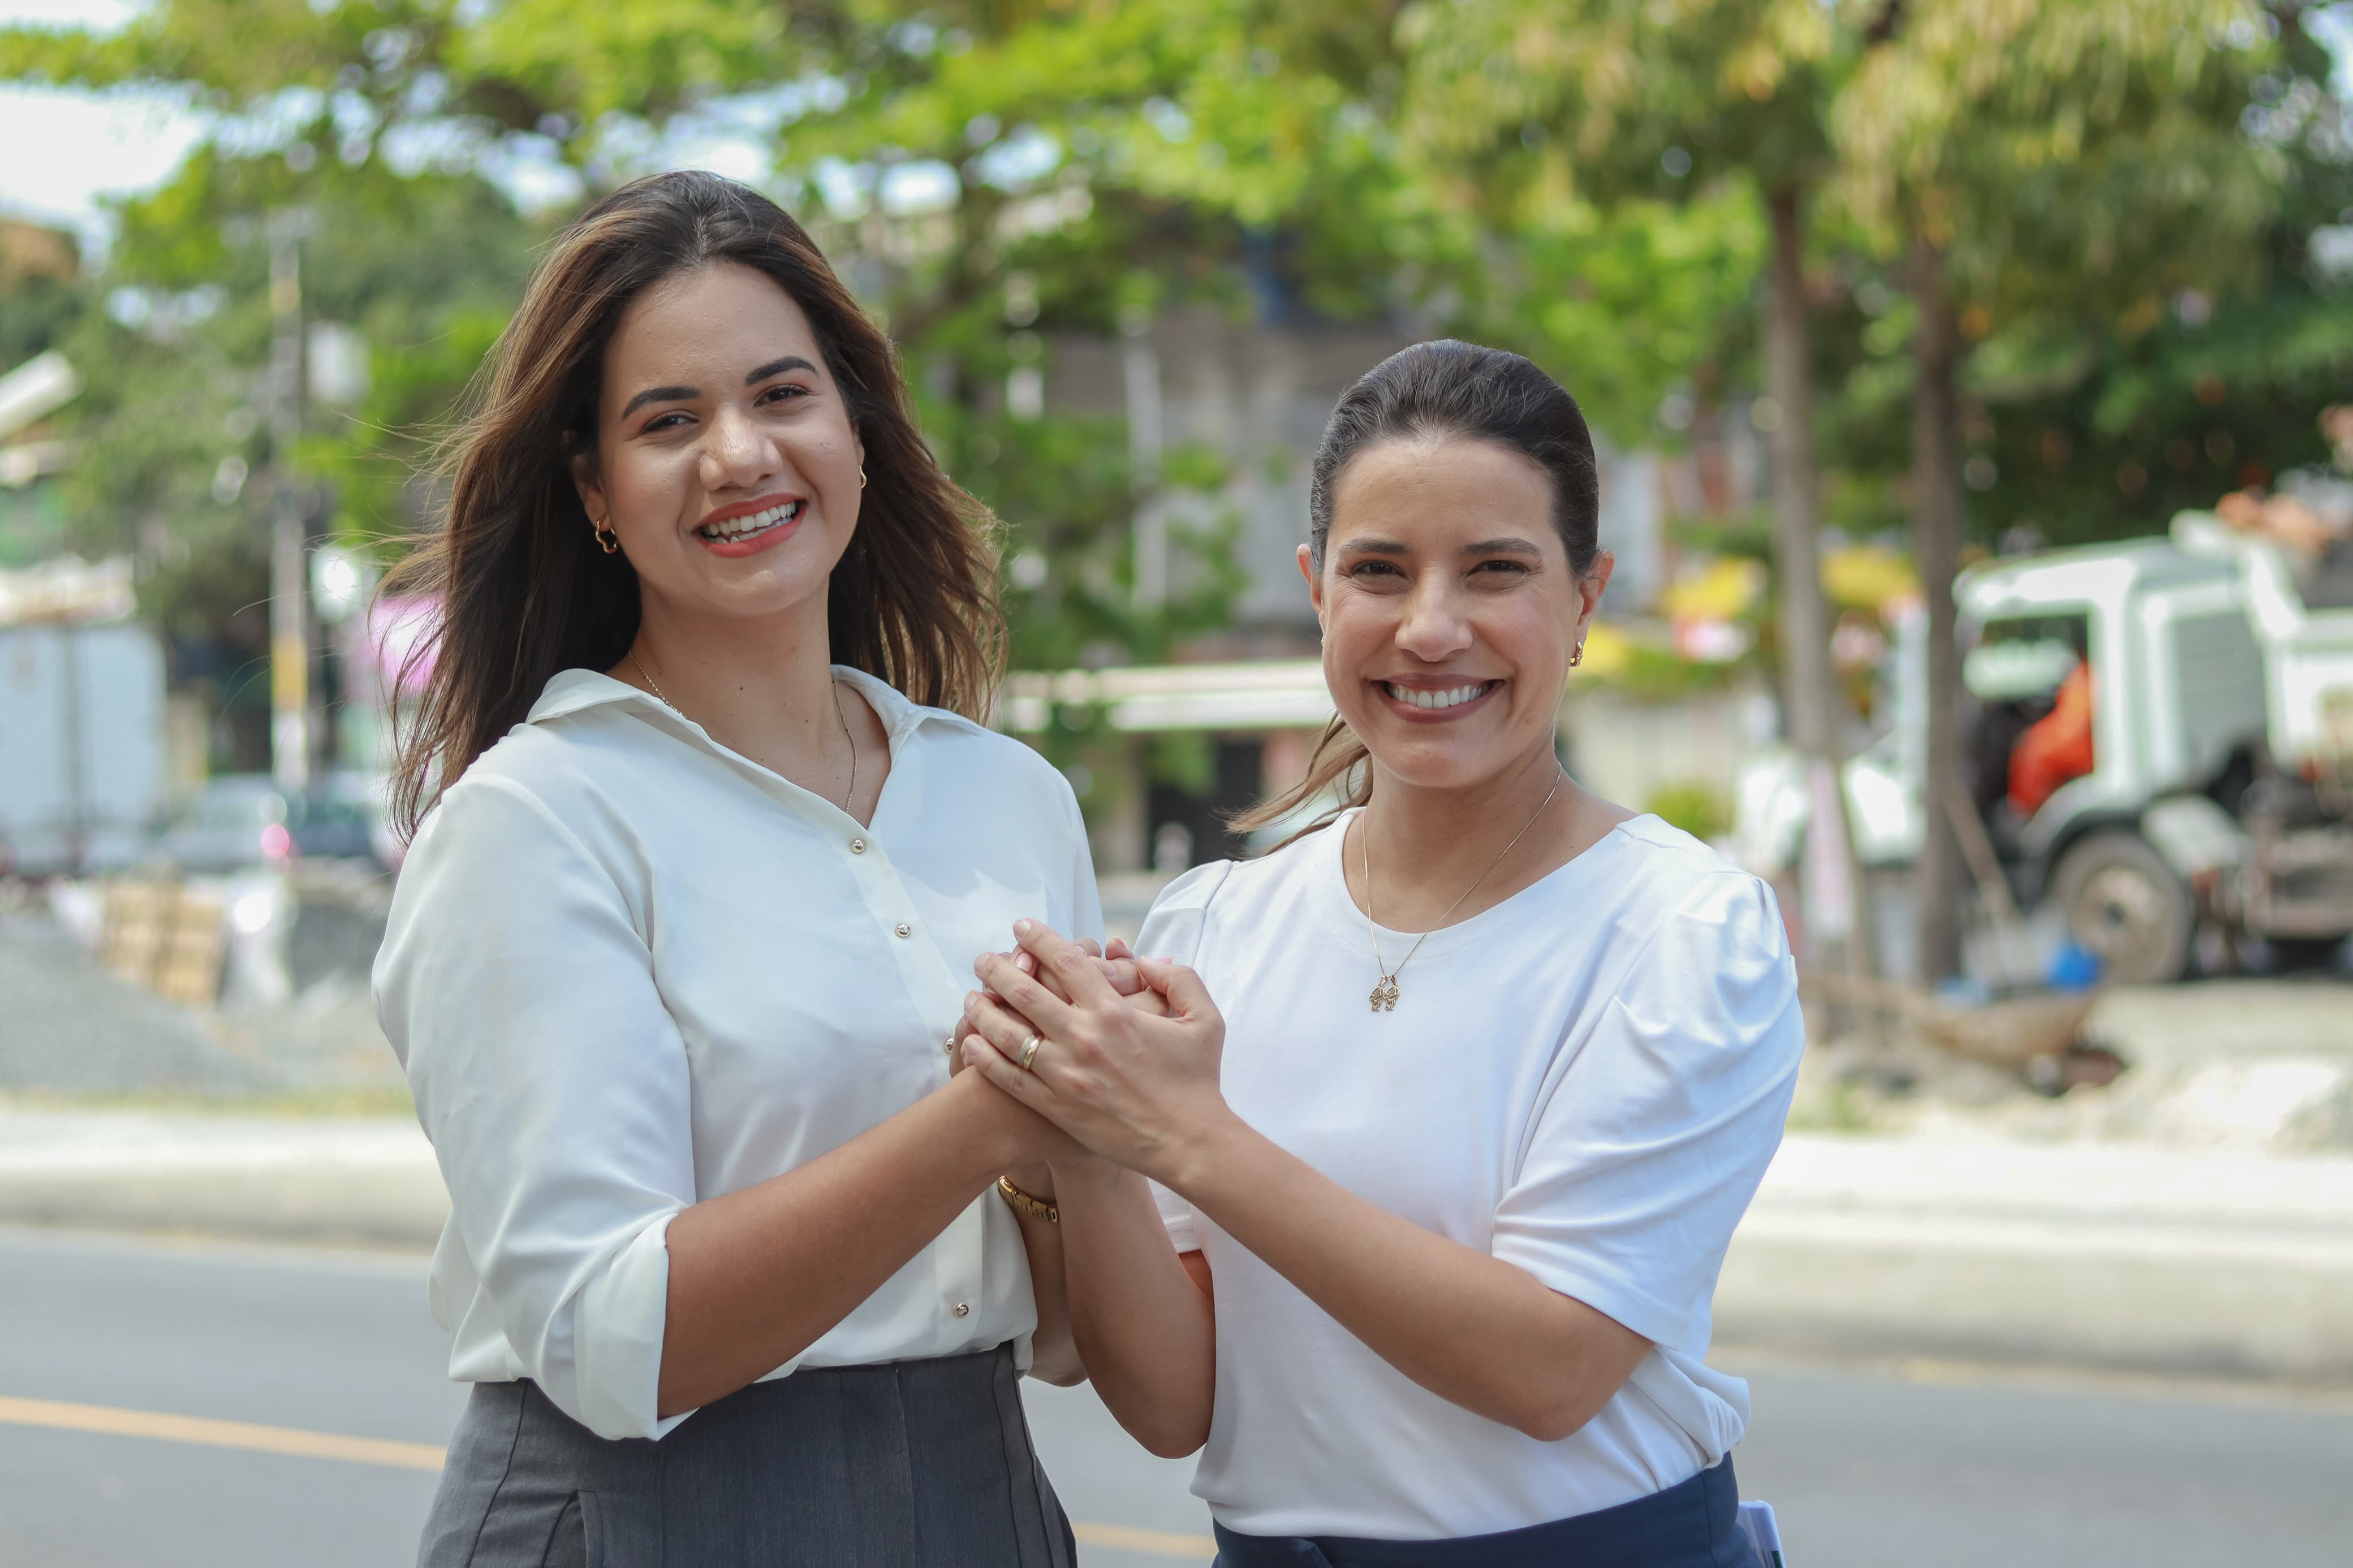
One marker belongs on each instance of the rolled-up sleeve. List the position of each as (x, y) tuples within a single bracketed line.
[(519, 993), (1654, 1136)]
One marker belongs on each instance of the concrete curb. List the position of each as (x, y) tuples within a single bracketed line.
[(370, 1181), (379, 1208), (2135, 1256), (2211, 1303), (2129, 1257)]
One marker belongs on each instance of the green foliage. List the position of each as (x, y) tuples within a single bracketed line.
[(35, 315), (2124, 194), (1697, 807), (1660, 675), (1623, 146), (425, 268), (1582, 180)]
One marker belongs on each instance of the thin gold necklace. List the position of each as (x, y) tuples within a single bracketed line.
[(841, 717), (1385, 989)]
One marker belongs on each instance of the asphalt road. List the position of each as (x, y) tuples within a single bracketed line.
[(1869, 1467)]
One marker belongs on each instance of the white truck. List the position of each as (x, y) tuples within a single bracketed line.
[(81, 746), (2220, 784)]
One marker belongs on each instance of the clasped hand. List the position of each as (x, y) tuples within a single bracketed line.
[(1133, 1078)]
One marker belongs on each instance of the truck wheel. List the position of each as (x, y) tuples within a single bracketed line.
[(2121, 900)]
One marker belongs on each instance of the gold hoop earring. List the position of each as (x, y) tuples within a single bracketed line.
[(1576, 656), (605, 537), (861, 476)]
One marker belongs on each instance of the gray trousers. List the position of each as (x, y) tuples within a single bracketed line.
[(904, 1465)]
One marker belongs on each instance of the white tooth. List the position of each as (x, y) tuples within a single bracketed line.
[(1427, 699)]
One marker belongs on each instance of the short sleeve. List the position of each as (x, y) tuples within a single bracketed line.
[(1174, 929), (1656, 1133), (553, 1085)]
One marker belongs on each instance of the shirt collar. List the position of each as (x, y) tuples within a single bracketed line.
[(570, 691)]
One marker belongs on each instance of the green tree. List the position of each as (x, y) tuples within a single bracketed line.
[(2030, 162), (1710, 105), (2094, 432), (407, 101), (175, 465)]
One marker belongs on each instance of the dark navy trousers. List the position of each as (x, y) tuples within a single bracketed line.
[(1693, 1524), (911, 1464)]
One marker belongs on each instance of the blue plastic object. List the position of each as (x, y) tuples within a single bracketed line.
[(1964, 991), (2073, 967)]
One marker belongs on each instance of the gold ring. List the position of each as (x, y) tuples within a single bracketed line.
[(1029, 1051)]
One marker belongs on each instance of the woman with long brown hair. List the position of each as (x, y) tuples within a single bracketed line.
[(708, 839)]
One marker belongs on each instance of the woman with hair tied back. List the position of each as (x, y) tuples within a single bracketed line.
[(1448, 1106), (709, 837)]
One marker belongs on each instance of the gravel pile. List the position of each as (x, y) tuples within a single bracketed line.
[(69, 1029)]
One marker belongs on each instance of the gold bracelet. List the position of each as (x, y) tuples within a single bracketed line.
[(1036, 1208)]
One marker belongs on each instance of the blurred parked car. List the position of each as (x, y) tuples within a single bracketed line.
[(245, 821)]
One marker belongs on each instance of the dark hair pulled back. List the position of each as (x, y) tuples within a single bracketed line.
[(1444, 390), (524, 591)]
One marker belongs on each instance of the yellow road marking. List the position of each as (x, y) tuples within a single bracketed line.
[(206, 1432), (212, 1434), (1156, 1543)]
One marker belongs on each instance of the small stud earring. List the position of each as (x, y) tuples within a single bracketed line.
[(605, 537)]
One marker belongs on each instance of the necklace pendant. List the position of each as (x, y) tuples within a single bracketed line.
[(1385, 993)]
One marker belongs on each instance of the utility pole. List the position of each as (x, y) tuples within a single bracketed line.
[(290, 599)]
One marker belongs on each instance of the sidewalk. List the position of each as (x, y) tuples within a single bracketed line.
[(367, 1180), (2102, 1254), (2121, 1255)]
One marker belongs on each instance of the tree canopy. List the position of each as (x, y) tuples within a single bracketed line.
[(2126, 197)]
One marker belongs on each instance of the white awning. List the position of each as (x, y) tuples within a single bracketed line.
[(1271, 694)]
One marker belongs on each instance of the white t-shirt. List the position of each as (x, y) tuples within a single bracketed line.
[(1586, 1080), (629, 970)]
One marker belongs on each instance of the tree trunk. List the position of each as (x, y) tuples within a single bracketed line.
[(1936, 549), (1809, 690)]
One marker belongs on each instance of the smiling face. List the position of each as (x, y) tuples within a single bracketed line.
[(1448, 606), (725, 459)]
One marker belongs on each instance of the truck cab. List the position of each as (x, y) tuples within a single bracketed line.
[(2159, 733), (2123, 818)]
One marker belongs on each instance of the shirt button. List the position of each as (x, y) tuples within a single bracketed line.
[(858, 847), (903, 929), (963, 1309)]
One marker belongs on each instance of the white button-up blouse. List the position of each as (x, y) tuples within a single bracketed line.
[(627, 969)]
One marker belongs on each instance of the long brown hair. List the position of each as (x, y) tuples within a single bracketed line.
[(1447, 389), (524, 590)]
